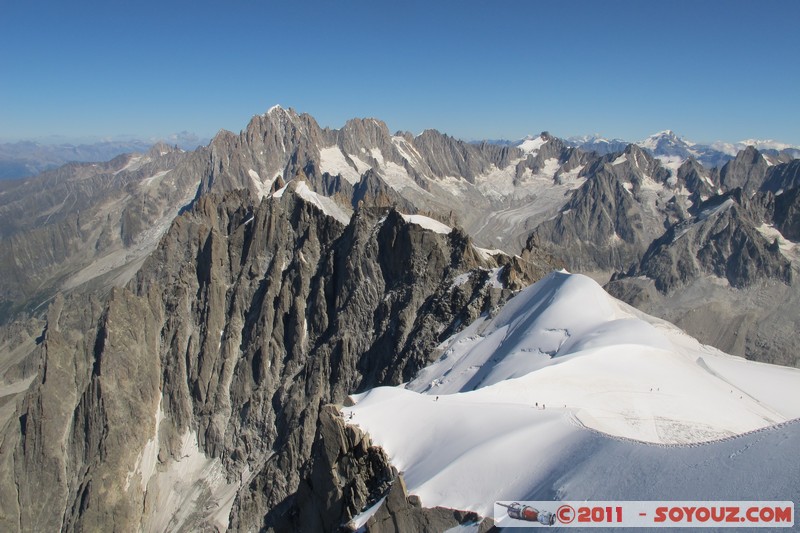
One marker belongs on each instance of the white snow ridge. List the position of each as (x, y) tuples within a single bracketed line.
[(428, 223), (568, 393)]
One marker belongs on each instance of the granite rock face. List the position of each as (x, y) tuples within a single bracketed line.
[(205, 313), (194, 396), (727, 275), (722, 240), (347, 475), (89, 227), (783, 177), (747, 171), (613, 216)]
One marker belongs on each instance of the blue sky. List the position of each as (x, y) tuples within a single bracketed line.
[(710, 70)]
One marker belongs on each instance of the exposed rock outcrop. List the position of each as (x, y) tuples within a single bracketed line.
[(721, 240), (192, 397), (85, 222), (347, 475), (90, 226), (611, 217), (727, 275), (747, 171)]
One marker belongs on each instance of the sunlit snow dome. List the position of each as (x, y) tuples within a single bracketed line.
[(563, 384)]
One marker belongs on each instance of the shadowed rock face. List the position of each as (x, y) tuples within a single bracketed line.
[(721, 240), (747, 171), (612, 217), (786, 214), (698, 180), (783, 177), (725, 279), (200, 384), (346, 475)]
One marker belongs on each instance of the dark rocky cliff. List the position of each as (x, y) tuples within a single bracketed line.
[(192, 397)]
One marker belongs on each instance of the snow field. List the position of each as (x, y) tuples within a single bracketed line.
[(565, 384)]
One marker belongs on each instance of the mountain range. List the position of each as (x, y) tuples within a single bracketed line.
[(23, 159), (670, 148), (246, 336)]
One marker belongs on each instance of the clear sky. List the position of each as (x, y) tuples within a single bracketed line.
[(708, 69)]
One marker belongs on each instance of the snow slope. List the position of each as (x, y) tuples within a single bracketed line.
[(467, 455), (324, 203), (333, 161), (531, 145), (565, 341), (629, 399), (428, 223)]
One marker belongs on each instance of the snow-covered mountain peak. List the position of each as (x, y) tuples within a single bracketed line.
[(531, 144), (546, 323), (581, 139), (666, 143), (507, 410), (597, 143), (672, 149), (766, 144), (564, 342), (276, 114), (664, 134)]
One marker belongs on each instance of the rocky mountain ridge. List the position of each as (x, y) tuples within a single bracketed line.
[(671, 148), (726, 275), (203, 309), (247, 319), (598, 214)]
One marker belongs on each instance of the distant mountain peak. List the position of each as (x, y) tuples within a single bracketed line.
[(664, 133), (531, 144), (663, 140), (278, 112)]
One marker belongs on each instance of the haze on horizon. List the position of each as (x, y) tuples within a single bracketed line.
[(714, 70)]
